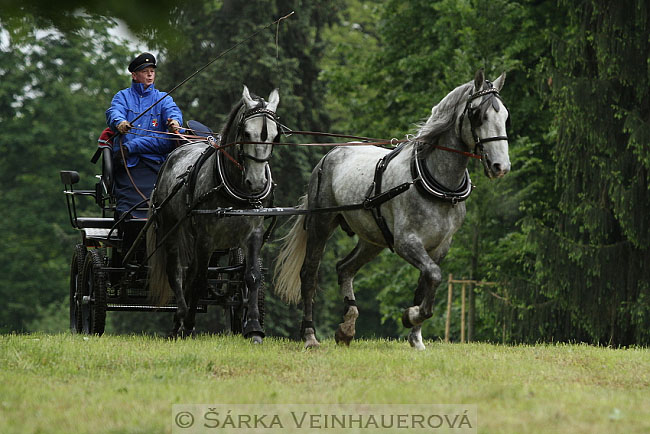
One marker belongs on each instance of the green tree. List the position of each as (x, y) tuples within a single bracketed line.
[(145, 17), (54, 89), (592, 258)]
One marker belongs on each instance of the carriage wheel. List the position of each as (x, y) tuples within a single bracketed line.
[(238, 313), (93, 303), (76, 268)]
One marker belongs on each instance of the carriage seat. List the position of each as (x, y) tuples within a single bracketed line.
[(201, 130)]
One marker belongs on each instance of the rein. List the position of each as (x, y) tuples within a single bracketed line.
[(382, 143), (128, 173), (366, 141)]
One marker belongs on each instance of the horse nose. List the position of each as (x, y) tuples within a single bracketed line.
[(500, 170)]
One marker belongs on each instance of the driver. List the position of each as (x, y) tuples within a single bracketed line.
[(142, 149)]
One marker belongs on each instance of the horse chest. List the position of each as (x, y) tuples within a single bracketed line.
[(226, 232), (432, 221)]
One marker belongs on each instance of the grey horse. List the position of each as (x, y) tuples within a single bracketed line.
[(198, 177), (417, 224)]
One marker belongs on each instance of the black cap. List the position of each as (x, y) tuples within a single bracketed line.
[(142, 61)]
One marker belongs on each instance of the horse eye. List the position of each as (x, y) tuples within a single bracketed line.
[(247, 136), (276, 139)]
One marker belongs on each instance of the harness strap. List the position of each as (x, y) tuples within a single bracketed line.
[(367, 204), (188, 214), (427, 184), (194, 172), (152, 218), (478, 142), (253, 199), (381, 166), (128, 172)]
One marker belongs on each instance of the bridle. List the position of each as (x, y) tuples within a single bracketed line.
[(471, 115), (254, 198), (257, 112)]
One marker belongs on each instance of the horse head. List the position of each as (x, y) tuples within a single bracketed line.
[(259, 126), (487, 127)]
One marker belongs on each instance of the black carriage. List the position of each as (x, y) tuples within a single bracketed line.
[(101, 280)]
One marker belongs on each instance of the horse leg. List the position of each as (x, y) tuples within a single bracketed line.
[(175, 272), (253, 278), (346, 269), (319, 230), (430, 277), (196, 284)]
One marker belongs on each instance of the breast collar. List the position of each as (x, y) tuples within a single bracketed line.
[(427, 184)]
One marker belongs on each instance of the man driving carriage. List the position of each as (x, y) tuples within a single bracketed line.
[(142, 144)]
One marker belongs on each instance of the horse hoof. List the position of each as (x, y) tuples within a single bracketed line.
[(310, 339), (416, 342), (183, 333), (256, 339), (342, 338)]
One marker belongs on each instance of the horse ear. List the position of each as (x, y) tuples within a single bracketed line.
[(274, 100), (498, 83), (479, 80), (246, 96)]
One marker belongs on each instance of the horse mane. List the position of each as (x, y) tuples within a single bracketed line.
[(443, 115), (233, 119)]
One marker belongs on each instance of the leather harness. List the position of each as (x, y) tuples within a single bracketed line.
[(422, 177)]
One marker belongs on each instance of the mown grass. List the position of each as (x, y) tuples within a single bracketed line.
[(112, 384)]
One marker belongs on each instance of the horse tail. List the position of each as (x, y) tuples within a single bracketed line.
[(160, 291), (291, 258)]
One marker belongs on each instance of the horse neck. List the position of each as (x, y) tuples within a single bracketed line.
[(233, 173), (448, 168)]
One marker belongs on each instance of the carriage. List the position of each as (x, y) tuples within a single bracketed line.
[(101, 280), (409, 199)]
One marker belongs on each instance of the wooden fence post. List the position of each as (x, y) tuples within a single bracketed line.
[(450, 288), (462, 313)]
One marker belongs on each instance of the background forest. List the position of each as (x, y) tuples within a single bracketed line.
[(565, 235)]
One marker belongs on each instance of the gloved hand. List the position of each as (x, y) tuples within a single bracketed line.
[(173, 125), (124, 127)]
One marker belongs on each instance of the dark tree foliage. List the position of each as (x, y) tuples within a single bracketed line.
[(593, 259), (54, 90), (71, 15)]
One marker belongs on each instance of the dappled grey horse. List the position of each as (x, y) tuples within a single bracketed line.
[(429, 175), (198, 177)]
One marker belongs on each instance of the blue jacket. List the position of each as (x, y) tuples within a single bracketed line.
[(127, 104)]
